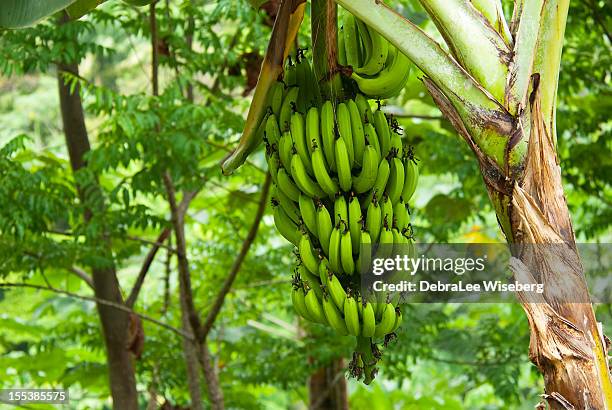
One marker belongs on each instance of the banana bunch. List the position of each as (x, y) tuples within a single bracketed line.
[(379, 69), (342, 182)]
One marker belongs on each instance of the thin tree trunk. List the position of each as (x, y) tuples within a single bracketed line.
[(106, 286), (327, 387), (190, 352)]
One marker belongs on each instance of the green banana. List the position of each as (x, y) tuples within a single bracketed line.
[(382, 176), (387, 211), (311, 280), (385, 243), (307, 254), (334, 317), (327, 184), (324, 271), (272, 131), (303, 180), (388, 320), (288, 107), (314, 308), (355, 222), (273, 165), (372, 138), (351, 316), (351, 40), (374, 220), (286, 185), (340, 210), (334, 250), (401, 217), (396, 144), (276, 97), (290, 75), (324, 227), (287, 204), (343, 165), (328, 134), (287, 228), (382, 130), (336, 291), (285, 149), (346, 252), (345, 130), (411, 178), (358, 135), (369, 171), (365, 110), (297, 297), (390, 81), (398, 319), (369, 321), (377, 50), (313, 124), (299, 140), (395, 185), (308, 213), (365, 253)]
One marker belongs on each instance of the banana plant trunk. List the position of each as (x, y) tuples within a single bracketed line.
[(497, 85)]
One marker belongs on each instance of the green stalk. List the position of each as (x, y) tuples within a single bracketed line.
[(477, 46), (524, 52), (324, 28), (548, 57)]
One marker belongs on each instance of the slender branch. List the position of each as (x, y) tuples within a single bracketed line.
[(178, 215), (246, 245), (149, 242), (131, 300), (83, 275), (154, 49), (105, 302)]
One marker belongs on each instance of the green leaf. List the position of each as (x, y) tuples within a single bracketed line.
[(23, 13), (82, 7)]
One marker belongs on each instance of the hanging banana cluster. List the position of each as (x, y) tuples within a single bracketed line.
[(342, 179), (379, 69)]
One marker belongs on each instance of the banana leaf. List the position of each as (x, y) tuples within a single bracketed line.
[(23, 13), (82, 7), (286, 26)]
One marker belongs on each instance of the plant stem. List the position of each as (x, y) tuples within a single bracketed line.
[(324, 29)]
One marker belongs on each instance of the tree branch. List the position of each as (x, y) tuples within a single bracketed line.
[(246, 245), (131, 300), (105, 302), (83, 275)]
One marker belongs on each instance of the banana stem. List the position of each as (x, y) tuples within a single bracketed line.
[(325, 47)]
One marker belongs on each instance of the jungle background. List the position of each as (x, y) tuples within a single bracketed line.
[(165, 91)]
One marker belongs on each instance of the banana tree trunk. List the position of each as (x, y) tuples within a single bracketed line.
[(498, 86)]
